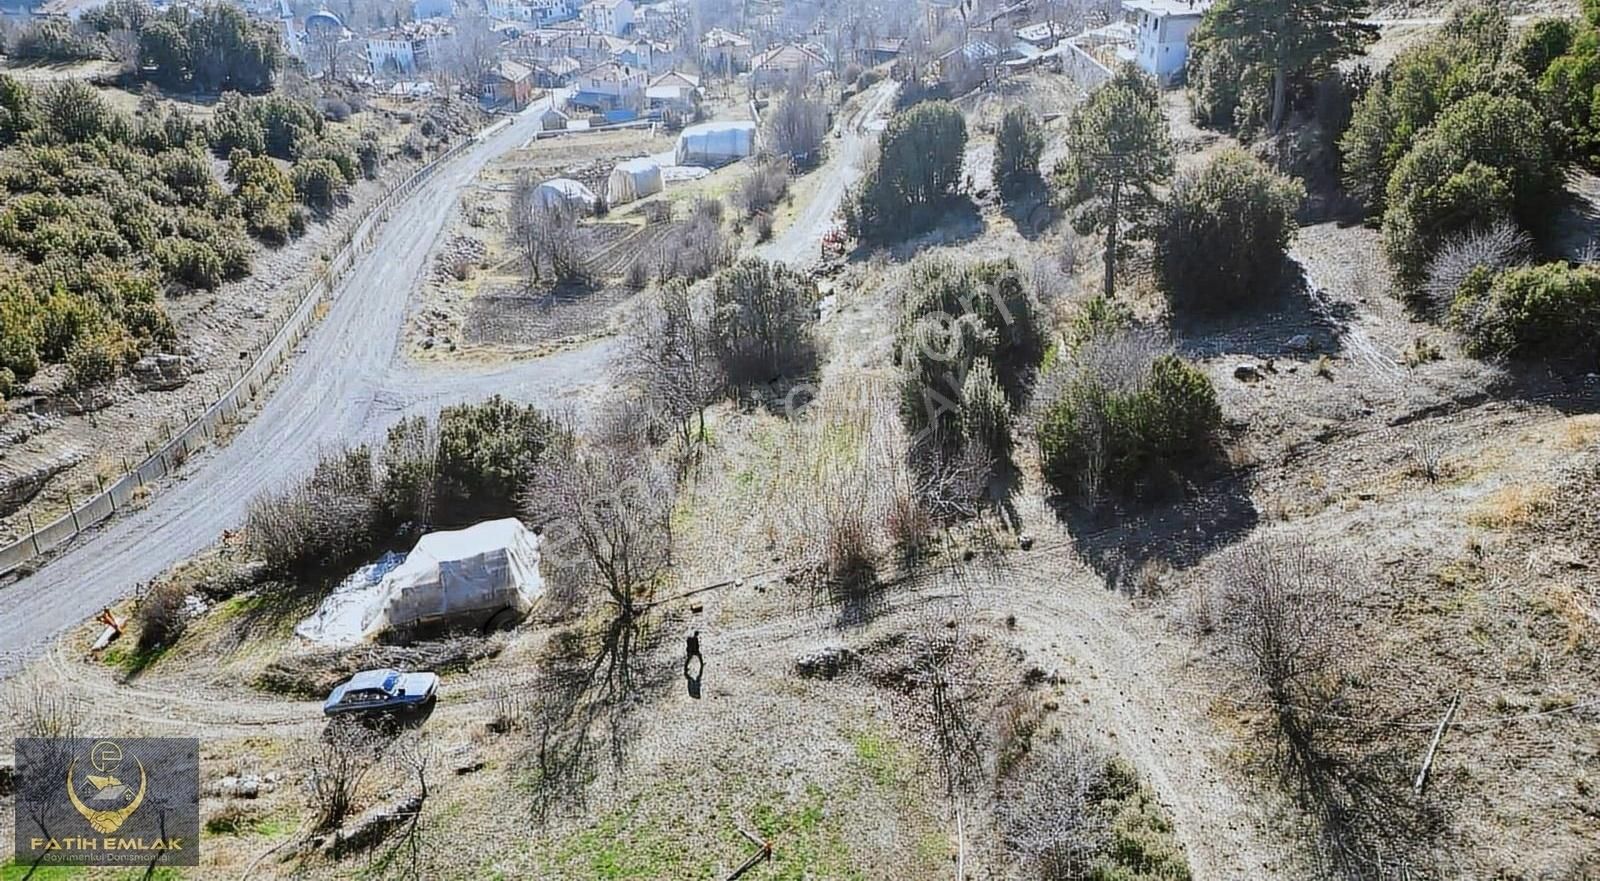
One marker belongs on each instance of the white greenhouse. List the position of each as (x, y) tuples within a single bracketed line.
[(564, 192), (633, 180), (712, 144)]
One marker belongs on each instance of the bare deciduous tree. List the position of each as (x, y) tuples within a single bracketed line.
[(697, 247), (413, 757), (547, 237), (474, 47), (797, 126), (672, 356), (606, 512), (37, 710), (1494, 249), (1277, 604), (335, 767), (1048, 810), (944, 674)]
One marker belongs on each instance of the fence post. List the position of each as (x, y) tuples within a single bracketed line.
[(72, 508), (33, 533)]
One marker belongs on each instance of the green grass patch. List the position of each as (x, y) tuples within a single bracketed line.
[(884, 760), (627, 844), (11, 871), (237, 606), (132, 660), (806, 841)]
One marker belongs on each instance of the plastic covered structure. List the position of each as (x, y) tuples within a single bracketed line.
[(716, 143), (466, 577), (633, 180), (564, 192)]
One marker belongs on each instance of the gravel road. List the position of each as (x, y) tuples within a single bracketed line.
[(348, 383)]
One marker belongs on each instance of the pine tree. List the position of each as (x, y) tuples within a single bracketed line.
[(1292, 39), (1118, 150)]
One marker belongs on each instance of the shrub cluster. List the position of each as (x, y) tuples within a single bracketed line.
[(1469, 133), (761, 319), (213, 49), (1549, 311), (1121, 413), (1070, 810), (330, 520), (471, 465), (1224, 232), (918, 170), (970, 337), (764, 187), (1412, 92), (101, 211), (1017, 148), (209, 48), (1484, 160)]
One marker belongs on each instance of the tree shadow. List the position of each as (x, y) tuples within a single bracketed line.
[(1177, 528), (856, 599), (590, 688), (1031, 211), (957, 221), (1271, 327), (1370, 823), (1574, 221)]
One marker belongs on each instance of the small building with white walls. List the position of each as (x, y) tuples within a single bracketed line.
[(612, 17), (1161, 34)]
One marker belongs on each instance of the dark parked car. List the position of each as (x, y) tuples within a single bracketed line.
[(382, 691)]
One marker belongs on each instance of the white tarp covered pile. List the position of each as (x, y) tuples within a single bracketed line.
[(716, 143), (633, 180), (467, 575), (564, 192), (463, 577), (337, 622)]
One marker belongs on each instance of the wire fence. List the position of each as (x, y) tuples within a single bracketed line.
[(163, 459)]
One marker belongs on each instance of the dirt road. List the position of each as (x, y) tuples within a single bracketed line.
[(801, 243), (348, 383)]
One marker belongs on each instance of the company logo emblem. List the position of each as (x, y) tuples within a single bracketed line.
[(110, 801), (107, 801)]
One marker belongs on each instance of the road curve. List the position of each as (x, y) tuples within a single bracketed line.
[(348, 383)]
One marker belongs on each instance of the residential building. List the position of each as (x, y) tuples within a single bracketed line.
[(71, 10), (661, 19), (433, 9), (673, 91), (612, 17), (654, 56), (725, 52), (553, 120), (555, 74), (610, 86), (407, 49), (549, 45), (781, 65), (1162, 29), (539, 12), (881, 51), (507, 84)]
